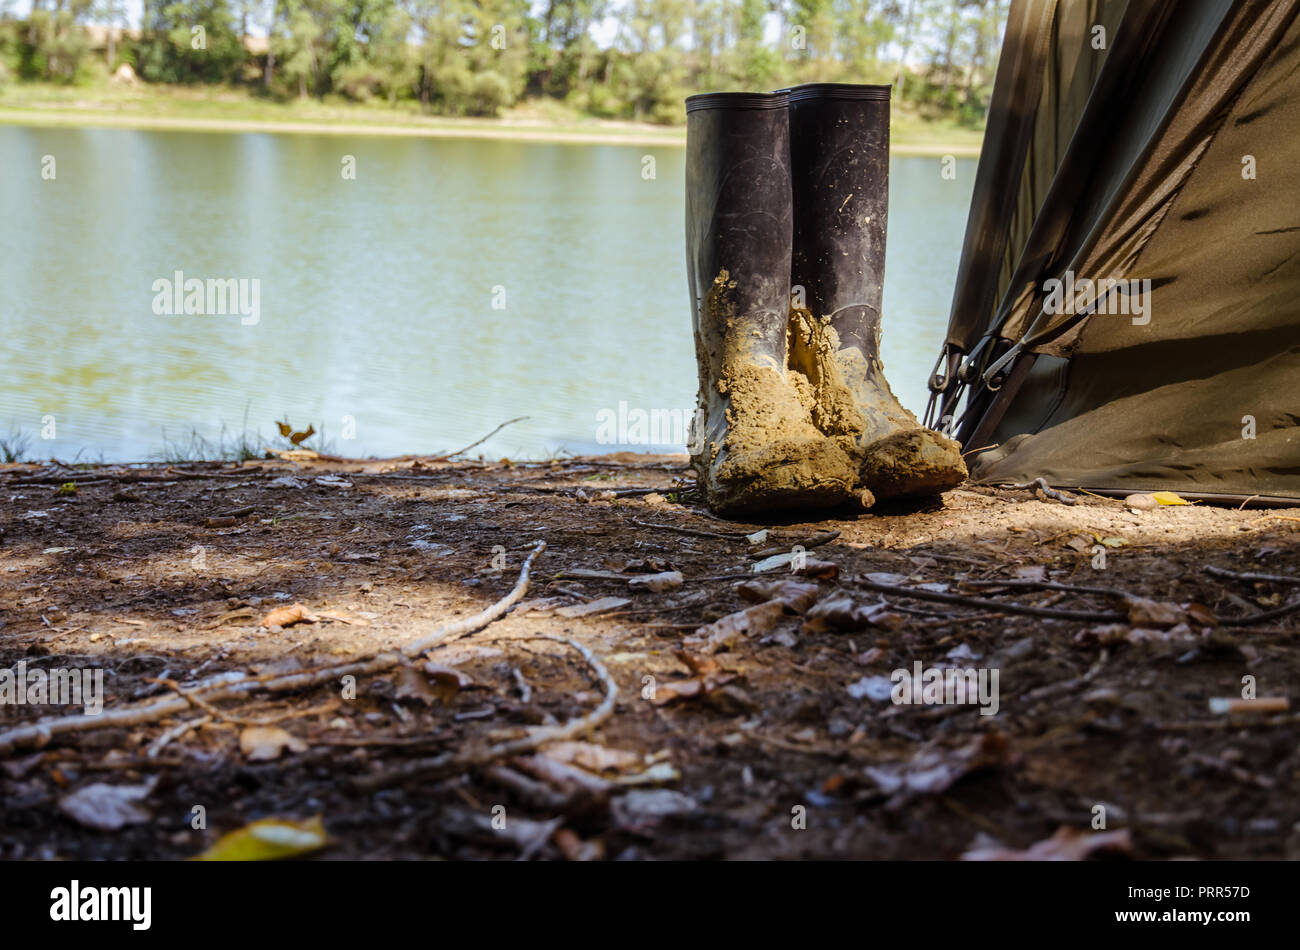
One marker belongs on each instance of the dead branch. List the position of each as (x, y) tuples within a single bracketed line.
[(40, 732), (449, 763), (451, 455), (1251, 576)]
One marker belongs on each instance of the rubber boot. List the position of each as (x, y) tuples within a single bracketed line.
[(840, 162), (758, 449)]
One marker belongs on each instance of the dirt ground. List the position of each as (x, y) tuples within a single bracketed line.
[(776, 738)]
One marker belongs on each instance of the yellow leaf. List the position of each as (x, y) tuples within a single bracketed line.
[(268, 840), (1169, 498), (1111, 542), (285, 428), (299, 437)]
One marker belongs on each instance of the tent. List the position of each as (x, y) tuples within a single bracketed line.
[(1127, 309)]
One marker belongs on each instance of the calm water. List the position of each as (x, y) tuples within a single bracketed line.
[(450, 286)]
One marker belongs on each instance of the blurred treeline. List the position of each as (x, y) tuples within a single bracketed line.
[(632, 59)]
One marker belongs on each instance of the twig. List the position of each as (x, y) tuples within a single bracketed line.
[(693, 532), (1047, 585), (1050, 613), (1251, 619), (40, 732), (808, 543), (451, 455), (449, 763), (1041, 485), (1251, 576), (174, 733)]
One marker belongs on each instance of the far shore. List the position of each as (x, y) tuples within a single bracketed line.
[(603, 132)]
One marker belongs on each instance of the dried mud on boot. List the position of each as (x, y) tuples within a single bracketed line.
[(761, 450)]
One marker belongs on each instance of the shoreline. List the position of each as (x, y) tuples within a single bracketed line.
[(610, 134)]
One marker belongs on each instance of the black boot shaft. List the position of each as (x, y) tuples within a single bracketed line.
[(839, 140), (739, 210)]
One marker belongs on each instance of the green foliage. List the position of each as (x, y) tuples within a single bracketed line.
[(479, 57)]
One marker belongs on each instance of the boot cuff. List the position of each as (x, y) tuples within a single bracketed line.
[(737, 100), (839, 90)]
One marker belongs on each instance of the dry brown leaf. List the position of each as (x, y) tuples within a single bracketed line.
[(656, 583), (699, 665), (287, 616), (842, 612), (700, 687), (592, 757), (933, 772), (795, 596), (723, 633), (108, 807), (1144, 612), (1068, 844), (264, 743)]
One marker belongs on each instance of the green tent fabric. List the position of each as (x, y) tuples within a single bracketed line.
[(1154, 144)]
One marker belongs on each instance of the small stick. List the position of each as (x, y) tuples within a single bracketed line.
[(1041, 485), (452, 455), (174, 733), (1251, 576), (1051, 613), (693, 532), (448, 763), (1046, 585)]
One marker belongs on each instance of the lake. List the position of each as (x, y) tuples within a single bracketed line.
[(447, 287)]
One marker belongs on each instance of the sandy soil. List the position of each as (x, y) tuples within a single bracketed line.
[(782, 746), (604, 132)]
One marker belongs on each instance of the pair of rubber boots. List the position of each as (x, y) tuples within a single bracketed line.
[(787, 196)]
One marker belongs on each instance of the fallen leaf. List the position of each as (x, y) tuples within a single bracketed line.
[(876, 688), (842, 612), (1030, 572), (592, 757), (1111, 542), (932, 772), (641, 808), (699, 665), (268, 839), (656, 583), (1144, 612), (287, 616), (108, 807), (723, 633), (795, 596), (1068, 844), (264, 743), (1169, 498), (700, 687)]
